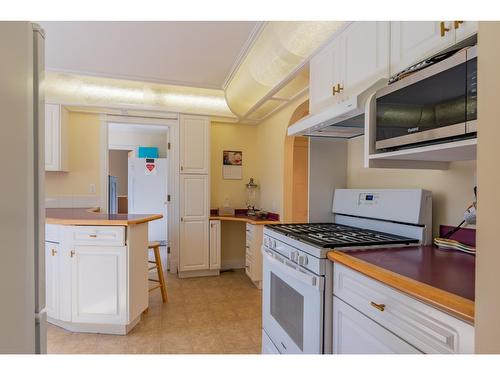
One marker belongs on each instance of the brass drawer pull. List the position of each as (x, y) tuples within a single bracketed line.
[(444, 29), (72, 253), (93, 235), (54, 252), (378, 306), (457, 24)]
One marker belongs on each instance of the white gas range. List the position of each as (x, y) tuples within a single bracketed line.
[(298, 279)]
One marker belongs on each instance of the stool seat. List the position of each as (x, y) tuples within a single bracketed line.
[(155, 245)]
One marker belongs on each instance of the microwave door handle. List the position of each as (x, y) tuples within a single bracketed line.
[(310, 280)]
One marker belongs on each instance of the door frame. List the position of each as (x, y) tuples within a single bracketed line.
[(170, 120)]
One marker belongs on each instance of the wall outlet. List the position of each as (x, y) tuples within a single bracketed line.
[(92, 188)]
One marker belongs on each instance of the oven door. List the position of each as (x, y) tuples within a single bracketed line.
[(292, 305)]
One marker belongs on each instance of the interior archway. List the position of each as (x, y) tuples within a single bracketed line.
[(296, 172)]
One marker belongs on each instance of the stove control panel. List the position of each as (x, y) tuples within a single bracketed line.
[(368, 199)]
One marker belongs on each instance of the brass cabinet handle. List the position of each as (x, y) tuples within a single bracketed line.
[(93, 235), (337, 89), (378, 306), (182, 168), (72, 253), (54, 252), (443, 28), (456, 24)]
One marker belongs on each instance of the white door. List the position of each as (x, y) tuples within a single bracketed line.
[(195, 144), (413, 41), (52, 137), (464, 29), (194, 226), (99, 284), (292, 307), (147, 193), (325, 73), (215, 245), (52, 271), (365, 55), (355, 333)]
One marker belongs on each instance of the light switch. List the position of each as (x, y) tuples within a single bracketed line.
[(92, 188)]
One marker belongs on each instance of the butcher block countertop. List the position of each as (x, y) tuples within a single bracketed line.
[(444, 279), (245, 218), (92, 216)]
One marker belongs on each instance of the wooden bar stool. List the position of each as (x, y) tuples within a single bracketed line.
[(159, 269)]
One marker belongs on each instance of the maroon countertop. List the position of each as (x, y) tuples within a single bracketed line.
[(445, 278)]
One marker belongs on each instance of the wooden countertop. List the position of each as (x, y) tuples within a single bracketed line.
[(442, 278), (245, 218), (92, 216)]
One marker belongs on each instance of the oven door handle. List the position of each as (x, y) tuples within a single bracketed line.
[(310, 280)]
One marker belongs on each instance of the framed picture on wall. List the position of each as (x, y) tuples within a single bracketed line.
[(232, 165)]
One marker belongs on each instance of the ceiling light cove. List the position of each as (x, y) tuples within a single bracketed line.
[(106, 92)]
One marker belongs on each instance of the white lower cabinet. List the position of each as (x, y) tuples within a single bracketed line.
[(354, 333), (253, 255), (420, 325), (99, 284), (215, 244), (52, 276)]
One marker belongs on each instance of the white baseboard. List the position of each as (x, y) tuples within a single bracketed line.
[(72, 201)]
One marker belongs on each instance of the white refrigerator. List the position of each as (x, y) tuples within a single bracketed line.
[(147, 193), (22, 227)]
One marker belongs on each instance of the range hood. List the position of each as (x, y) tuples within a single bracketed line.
[(342, 120)]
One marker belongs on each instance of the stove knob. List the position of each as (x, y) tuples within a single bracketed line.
[(294, 255), (273, 244), (303, 260), (266, 241)]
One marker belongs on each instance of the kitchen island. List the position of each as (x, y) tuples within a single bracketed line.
[(96, 269)]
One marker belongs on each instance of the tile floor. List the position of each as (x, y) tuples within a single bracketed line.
[(219, 315)]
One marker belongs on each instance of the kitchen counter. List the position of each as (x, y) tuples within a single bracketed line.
[(442, 278), (241, 215), (92, 216)]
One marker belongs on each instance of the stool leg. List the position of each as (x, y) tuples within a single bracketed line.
[(161, 278)]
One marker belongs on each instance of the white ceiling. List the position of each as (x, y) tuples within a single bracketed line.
[(201, 54)]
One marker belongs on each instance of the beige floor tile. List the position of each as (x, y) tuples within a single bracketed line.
[(204, 315)]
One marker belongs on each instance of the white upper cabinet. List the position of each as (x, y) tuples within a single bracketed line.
[(56, 142), (365, 55), (354, 60), (195, 145), (415, 41)]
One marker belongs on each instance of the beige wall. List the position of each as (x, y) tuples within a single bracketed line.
[(118, 167), (233, 137), (488, 176), (452, 189), (271, 147), (84, 159)]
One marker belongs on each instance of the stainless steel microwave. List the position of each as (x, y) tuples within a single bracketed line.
[(436, 104)]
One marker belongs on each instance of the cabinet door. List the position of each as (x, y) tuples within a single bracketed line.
[(465, 29), (52, 271), (413, 41), (325, 73), (195, 144), (99, 284), (215, 245), (194, 236), (354, 333), (194, 246), (52, 137), (365, 55)]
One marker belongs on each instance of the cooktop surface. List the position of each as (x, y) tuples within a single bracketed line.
[(330, 235)]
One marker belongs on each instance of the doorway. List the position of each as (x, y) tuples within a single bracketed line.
[(138, 176)]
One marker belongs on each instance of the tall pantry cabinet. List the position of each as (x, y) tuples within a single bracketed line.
[(194, 248)]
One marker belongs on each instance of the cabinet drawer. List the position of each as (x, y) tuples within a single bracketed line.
[(419, 324), (99, 236)]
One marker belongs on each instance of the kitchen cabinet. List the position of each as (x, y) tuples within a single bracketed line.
[(253, 255), (194, 227), (215, 244), (354, 333), (56, 138), (422, 326), (95, 282), (98, 281), (52, 282), (194, 145), (414, 41), (353, 61)]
